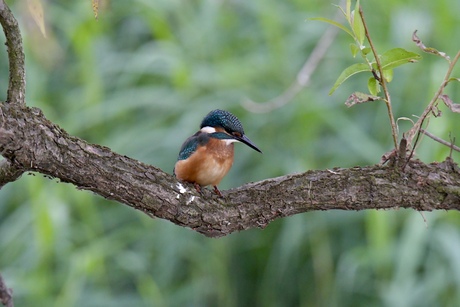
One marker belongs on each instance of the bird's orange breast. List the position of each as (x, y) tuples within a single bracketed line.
[(207, 165)]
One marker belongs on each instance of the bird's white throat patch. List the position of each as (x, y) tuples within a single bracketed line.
[(229, 141)]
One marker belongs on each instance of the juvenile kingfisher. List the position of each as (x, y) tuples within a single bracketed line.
[(207, 156)]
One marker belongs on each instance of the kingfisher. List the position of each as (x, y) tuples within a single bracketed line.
[(207, 156)]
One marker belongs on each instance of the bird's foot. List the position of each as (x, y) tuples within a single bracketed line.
[(197, 187), (218, 192), (199, 190)]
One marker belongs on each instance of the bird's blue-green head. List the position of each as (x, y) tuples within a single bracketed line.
[(222, 119), (229, 123)]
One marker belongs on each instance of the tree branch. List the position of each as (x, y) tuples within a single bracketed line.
[(41, 146), (17, 83), (30, 142), (439, 140)]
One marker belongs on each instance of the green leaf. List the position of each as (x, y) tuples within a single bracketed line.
[(366, 50), (454, 79), (347, 73), (388, 74), (358, 26), (354, 50), (335, 23), (348, 9), (396, 57), (373, 86)]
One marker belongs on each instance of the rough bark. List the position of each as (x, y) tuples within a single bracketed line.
[(30, 142)]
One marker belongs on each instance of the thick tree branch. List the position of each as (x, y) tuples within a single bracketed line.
[(17, 83), (30, 142), (38, 145)]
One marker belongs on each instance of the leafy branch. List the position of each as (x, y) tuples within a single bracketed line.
[(372, 84), (381, 66)]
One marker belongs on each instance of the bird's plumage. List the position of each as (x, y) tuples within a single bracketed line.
[(208, 163), (207, 156)]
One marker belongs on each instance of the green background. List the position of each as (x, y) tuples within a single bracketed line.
[(140, 79)]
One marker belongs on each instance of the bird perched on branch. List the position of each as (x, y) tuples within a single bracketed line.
[(207, 156)]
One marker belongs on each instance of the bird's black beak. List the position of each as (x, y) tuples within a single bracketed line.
[(244, 139)]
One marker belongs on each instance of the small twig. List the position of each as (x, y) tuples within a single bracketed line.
[(303, 77), (413, 148), (452, 142), (17, 81), (6, 294), (431, 104), (439, 140), (381, 80), (402, 153)]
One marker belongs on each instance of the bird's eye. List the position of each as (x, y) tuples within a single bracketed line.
[(237, 134)]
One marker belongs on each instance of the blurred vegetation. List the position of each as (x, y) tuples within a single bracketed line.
[(140, 79)]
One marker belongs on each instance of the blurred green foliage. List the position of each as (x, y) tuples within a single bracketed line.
[(140, 79)]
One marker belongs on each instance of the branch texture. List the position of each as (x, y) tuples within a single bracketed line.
[(36, 144)]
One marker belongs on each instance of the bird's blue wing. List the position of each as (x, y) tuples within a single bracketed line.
[(198, 139), (191, 144), (189, 147)]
